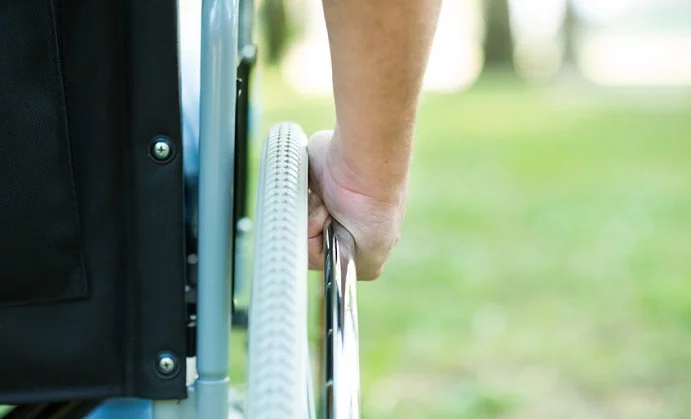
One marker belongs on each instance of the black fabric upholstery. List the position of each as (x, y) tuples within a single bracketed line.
[(40, 249), (91, 226)]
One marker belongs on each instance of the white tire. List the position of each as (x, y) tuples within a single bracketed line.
[(277, 364)]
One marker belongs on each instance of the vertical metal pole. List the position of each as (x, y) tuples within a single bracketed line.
[(217, 136), (246, 21), (243, 223)]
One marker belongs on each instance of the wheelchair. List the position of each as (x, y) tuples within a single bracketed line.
[(122, 236)]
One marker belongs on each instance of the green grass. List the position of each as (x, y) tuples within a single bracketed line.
[(545, 264)]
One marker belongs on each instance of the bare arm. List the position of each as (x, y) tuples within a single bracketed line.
[(379, 52), (359, 172)]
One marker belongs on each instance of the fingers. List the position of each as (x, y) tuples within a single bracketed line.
[(370, 260), (318, 215), (321, 136), (368, 271), (315, 246), (316, 148)]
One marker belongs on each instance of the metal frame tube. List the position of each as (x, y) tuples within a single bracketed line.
[(217, 140)]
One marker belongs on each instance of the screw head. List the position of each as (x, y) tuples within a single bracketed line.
[(160, 150), (166, 365), (244, 225)]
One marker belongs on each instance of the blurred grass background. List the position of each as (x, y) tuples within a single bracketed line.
[(544, 263)]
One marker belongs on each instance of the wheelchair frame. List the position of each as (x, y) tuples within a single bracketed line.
[(227, 55), (226, 27)]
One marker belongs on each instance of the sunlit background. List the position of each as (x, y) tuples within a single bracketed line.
[(545, 264)]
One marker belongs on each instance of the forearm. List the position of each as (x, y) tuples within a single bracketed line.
[(379, 52)]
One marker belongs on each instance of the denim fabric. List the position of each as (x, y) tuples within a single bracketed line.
[(123, 409)]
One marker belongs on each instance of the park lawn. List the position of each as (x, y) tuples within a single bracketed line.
[(544, 269)]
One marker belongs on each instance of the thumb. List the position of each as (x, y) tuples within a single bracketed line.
[(317, 147)]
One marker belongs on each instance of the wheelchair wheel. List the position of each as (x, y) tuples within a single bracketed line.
[(279, 377), (277, 366)]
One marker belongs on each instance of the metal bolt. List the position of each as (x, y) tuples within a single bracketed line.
[(244, 225), (161, 150), (166, 364)]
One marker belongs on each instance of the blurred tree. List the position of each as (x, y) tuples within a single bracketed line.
[(569, 28), (274, 23), (498, 45)]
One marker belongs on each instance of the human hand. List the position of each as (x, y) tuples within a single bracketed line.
[(372, 213)]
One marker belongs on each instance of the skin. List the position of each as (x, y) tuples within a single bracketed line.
[(359, 171)]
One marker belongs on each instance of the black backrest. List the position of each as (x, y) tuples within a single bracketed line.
[(91, 224)]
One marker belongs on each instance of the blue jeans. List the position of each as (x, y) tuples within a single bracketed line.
[(123, 409)]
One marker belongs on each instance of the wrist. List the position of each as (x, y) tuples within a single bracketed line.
[(370, 171)]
